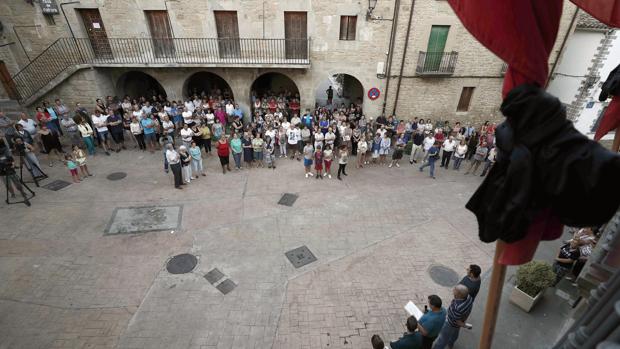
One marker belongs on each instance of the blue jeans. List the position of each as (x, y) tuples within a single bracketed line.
[(457, 163), (447, 336), (237, 157), (431, 164), (90, 144)]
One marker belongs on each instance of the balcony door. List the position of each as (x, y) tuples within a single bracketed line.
[(296, 35), (436, 46), (161, 33), (227, 33), (96, 33)]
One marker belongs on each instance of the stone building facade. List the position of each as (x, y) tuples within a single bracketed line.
[(463, 83)]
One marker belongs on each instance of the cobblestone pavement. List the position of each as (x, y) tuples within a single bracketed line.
[(67, 285)]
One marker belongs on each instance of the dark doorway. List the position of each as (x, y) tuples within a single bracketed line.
[(161, 33), (207, 84), (296, 35), (96, 33), (274, 84), (346, 90), (7, 82), (227, 33), (137, 84)]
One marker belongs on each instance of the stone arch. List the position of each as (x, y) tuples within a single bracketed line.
[(207, 83), (273, 82), (136, 83), (347, 89)]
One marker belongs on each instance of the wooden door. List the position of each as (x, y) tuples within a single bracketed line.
[(436, 46), (227, 33), (296, 35), (7, 82), (161, 33), (96, 33)]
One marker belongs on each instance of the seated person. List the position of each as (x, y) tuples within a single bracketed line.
[(430, 323), (567, 256), (411, 339)]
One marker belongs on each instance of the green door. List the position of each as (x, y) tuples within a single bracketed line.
[(436, 45)]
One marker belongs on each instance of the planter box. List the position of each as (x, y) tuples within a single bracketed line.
[(523, 300)]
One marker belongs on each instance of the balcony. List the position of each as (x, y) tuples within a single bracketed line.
[(436, 63), (68, 53)]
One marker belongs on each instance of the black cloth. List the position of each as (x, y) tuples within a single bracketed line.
[(176, 171), (543, 162), (611, 87), (418, 138), (566, 252)]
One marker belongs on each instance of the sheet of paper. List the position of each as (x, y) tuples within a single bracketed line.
[(413, 310)]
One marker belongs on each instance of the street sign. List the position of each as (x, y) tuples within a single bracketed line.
[(49, 7)]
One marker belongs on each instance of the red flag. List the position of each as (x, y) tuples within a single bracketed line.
[(610, 120), (606, 11)]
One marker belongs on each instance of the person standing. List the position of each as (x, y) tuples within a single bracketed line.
[(416, 146), (479, 156), (223, 152), (237, 150), (459, 154), (269, 150), (318, 162), (294, 136), (330, 95), (448, 149), (384, 147), (196, 155), (136, 131), (490, 161), (51, 143), (432, 156), (428, 142), (458, 312), (115, 127), (80, 159), (472, 280), (431, 322), (398, 151), (257, 147), (148, 129), (362, 148), (412, 339), (186, 169), (174, 161), (328, 157), (343, 158), (308, 156)]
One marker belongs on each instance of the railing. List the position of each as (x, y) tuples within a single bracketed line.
[(436, 63), (65, 53)]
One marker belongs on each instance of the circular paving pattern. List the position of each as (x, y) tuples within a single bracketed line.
[(116, 176), (443, 275), (182, 263)]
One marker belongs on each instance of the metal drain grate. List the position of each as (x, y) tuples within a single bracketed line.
[(226, 286), (181, 264), (56, 185), (214, 276), (288, 199), (300, 256), (116, 176), (443, 275)]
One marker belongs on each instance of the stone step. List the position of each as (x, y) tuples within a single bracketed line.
[(11, 108)]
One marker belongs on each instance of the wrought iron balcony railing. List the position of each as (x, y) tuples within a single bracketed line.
[(65, 53), (436, 63)]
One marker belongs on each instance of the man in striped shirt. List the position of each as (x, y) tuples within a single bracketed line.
[(459, 310)]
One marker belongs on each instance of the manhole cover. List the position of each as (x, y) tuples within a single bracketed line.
[(443, 275), (300, 256), (181, 264), (226, 286), (116, 176), (56, 185), (214, 276), (287, 199)]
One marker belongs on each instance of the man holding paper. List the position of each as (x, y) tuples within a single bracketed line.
[(430, 323)]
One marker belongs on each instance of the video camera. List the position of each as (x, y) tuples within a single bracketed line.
[(6, 165)]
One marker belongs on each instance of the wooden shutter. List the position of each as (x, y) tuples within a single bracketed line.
[(348, 25), (296, 34), (228, 33), (465, 99), (161, 33)]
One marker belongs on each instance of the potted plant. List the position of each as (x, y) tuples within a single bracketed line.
[(533, 278)]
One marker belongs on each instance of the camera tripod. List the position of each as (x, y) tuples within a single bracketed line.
[(30, 166), (11, 179)]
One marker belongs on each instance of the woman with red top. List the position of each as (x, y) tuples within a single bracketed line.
[(294, 105), (273, 105), (223, 151)]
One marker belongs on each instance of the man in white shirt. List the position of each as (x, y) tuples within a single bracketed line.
[(286, 125), (28, 124), (230, 108), (295, 121), (187, 116), (448, 149), (427, 144), (294, 136), (174, 161), (100, 121), (186, 136)]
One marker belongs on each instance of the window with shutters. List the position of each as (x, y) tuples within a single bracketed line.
[(348, 25), (465, 99)]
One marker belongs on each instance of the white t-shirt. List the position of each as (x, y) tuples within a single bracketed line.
[(168, 126), (270, 133), (230, 109), (210, 118), (295, 120), (189, 105), (448, 145), (286, 125), (461, 150), (186, 135), (135, 128), (100, 122), (428, 143), (330, 137), (29, 126), (187, 116), (294, 135), (137, 114)]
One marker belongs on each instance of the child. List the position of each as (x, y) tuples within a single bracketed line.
[(398, 151), (72, 166), (376, 146), (318, 162), (80, 159), (186, 170), (270, 158), (343, 158), (196, 154), (308, 155), (328, 156)]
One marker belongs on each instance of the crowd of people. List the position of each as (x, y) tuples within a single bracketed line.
[(186, 131)]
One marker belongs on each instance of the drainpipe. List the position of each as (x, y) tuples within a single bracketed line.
[(402, 61), (561, 52), (390, 52)]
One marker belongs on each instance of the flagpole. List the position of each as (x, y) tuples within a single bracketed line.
[(493, 299)]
